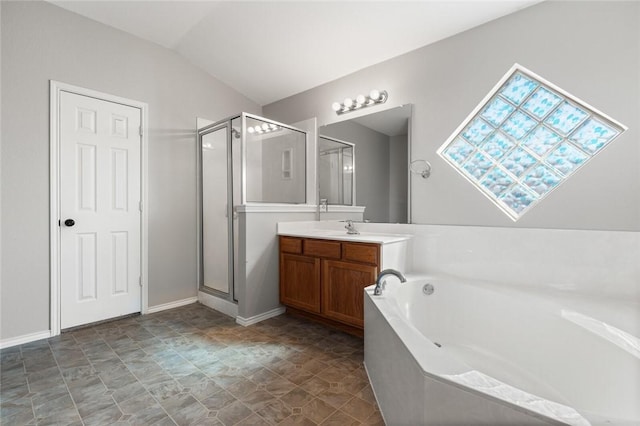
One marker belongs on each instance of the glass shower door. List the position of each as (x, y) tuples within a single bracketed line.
[(217, 211)]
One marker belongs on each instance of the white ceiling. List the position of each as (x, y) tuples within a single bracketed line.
[(269, 50)]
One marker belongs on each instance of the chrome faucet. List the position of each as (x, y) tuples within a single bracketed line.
[(351, 228), (380, 284)]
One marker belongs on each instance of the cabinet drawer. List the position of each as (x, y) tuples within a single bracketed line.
[(365, 253), (291, 245), (322, 248)]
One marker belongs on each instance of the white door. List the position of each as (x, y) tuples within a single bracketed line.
[(100, 193)]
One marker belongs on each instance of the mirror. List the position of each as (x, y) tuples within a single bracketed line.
[(336, 173), (381, 169)]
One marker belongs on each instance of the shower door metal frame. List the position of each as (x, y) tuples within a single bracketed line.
[(230, 296)]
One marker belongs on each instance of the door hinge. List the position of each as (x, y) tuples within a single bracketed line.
[(59, 222), (140, 280), (140, 130), (140, 205)]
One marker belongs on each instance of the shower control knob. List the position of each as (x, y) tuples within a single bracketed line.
[(69, 222)]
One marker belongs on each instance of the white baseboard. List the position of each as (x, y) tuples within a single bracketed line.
[(27, 338), (171, 305), (261, 317), (218, 304)]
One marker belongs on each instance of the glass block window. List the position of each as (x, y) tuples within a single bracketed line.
[(526, 138)]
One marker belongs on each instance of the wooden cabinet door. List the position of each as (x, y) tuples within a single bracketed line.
[(300, 282), (342, 290)]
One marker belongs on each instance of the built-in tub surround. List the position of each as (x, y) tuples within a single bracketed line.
[(599, 264), (475, 352)]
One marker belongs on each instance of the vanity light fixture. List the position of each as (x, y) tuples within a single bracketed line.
[(264, 128), (361, 101)]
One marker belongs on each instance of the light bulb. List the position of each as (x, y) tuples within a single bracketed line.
[(273, 126), (336, 106), (250, 130), (265, 126), (360, 99), (348, 102), (374, 94)]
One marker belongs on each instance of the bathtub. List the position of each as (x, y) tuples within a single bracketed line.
[(482, 353)]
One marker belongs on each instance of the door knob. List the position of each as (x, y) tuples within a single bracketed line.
[(69, 222)]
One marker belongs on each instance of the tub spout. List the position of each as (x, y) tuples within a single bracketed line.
[(381, 275)]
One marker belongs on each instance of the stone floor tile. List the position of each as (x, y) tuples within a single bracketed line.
[(138, 403), (184, 409), (233, 413), (218, 400), (253, 420), (165, 389), (297, 419), (200, 364), (335, 396), (280, 387), (297, 398), (258, 399), (65, 417), (367, 394), (274, 412), (340, 418), (74, 374), (151, 415), (15, 407), (315, 385), (359, 409), (105, 416), (46, 408), (94, 404), (374, 420), (317, 410), (127, 392), (203, 389), (314, 365)]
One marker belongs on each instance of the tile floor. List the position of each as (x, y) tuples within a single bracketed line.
[(189, 365)]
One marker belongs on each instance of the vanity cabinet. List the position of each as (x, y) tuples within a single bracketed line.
[(324, 279), (342, 284), (301, 286)]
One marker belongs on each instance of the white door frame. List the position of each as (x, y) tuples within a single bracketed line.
[(56, 88)]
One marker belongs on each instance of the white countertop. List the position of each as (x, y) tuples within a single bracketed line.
[(332, 234)]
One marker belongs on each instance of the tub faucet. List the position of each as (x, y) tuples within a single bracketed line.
[(381, 275), (351, 228)]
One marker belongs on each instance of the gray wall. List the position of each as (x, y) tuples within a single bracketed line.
[(590, 49), (42, 42), (371, 164)]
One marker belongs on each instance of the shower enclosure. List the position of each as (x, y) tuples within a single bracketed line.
[(244, 159)]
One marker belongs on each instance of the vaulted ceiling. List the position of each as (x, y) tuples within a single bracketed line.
[(269, 50)]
